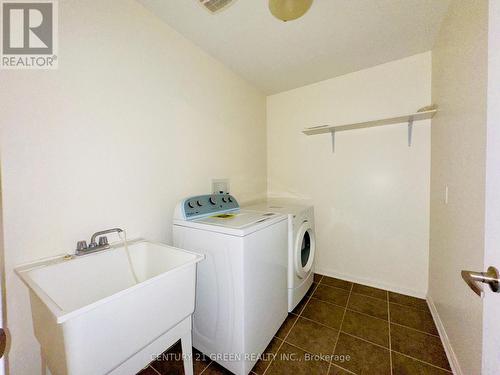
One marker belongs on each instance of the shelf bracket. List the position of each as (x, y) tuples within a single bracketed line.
[(333, 140), (410, 131)]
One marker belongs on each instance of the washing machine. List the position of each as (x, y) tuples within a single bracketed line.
[(241, 286), (301, 243)]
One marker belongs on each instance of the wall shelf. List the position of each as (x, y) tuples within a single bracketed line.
[(409, 119)]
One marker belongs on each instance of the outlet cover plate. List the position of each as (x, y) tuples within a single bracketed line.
[(220, 186)]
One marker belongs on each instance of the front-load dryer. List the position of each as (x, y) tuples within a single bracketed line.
[(241, 286), (301, 243)]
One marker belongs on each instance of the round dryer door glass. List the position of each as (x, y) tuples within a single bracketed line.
[(304, 250)]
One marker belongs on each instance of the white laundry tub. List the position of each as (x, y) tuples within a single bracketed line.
[(92, 317)]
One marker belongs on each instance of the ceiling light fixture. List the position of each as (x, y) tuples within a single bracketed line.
[(287, 10)]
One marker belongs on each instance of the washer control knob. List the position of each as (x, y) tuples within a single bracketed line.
[(224, 199), (199, 203), (212, 200), (229, 199), (190, 204)]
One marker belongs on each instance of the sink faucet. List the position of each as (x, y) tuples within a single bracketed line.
[(82, 248)]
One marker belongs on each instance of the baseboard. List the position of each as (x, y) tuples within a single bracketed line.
[(452, 358), (373, 283)]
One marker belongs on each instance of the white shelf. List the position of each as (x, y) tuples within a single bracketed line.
[(368, 124), (332, 129)]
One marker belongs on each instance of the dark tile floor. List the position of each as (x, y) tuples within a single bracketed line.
[(341, 328)]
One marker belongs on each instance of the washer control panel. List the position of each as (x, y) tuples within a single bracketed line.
[(209, 204)]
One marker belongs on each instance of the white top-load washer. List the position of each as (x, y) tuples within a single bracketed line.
[(301, 243), (241, 286)]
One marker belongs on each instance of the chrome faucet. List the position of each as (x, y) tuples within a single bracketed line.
[(82, 248)]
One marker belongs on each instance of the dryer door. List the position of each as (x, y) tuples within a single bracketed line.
[(305, 244)]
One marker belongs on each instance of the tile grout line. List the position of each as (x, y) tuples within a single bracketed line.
[(390, 347), (293, 325), (336, 287), (410, 307), (356, 311), (371, 316), (365, 340), (154, 370), (389, 324), (340, 327), (395, 351), (356, 337), (342, 368), (337, 329), (319, 360), (330, 303), (209, 363), (306, 350), (358, 293), (368, 315), (330, 363), (366, 295), (414, 329), (421, 361), (338, 333), (385, 320), (319, 323), (417, 330)]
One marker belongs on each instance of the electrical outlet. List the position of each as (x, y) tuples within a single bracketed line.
[(220, 186)]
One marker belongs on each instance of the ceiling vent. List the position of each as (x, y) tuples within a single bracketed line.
[(215, 5)]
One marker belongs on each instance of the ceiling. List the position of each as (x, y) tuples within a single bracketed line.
[(335, 37)]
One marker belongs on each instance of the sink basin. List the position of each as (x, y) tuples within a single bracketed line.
[(108, 312)]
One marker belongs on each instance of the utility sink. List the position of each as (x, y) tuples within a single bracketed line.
[(111, 312)]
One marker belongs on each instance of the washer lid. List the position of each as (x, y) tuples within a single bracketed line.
[(237, 220), (284, 206), (239, 223)]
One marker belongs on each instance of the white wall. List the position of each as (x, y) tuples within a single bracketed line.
[(372, 195), (459, 87), (134, 119)]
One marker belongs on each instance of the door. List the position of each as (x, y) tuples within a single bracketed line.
[(491, 302), (3, 338), (491, 298)]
